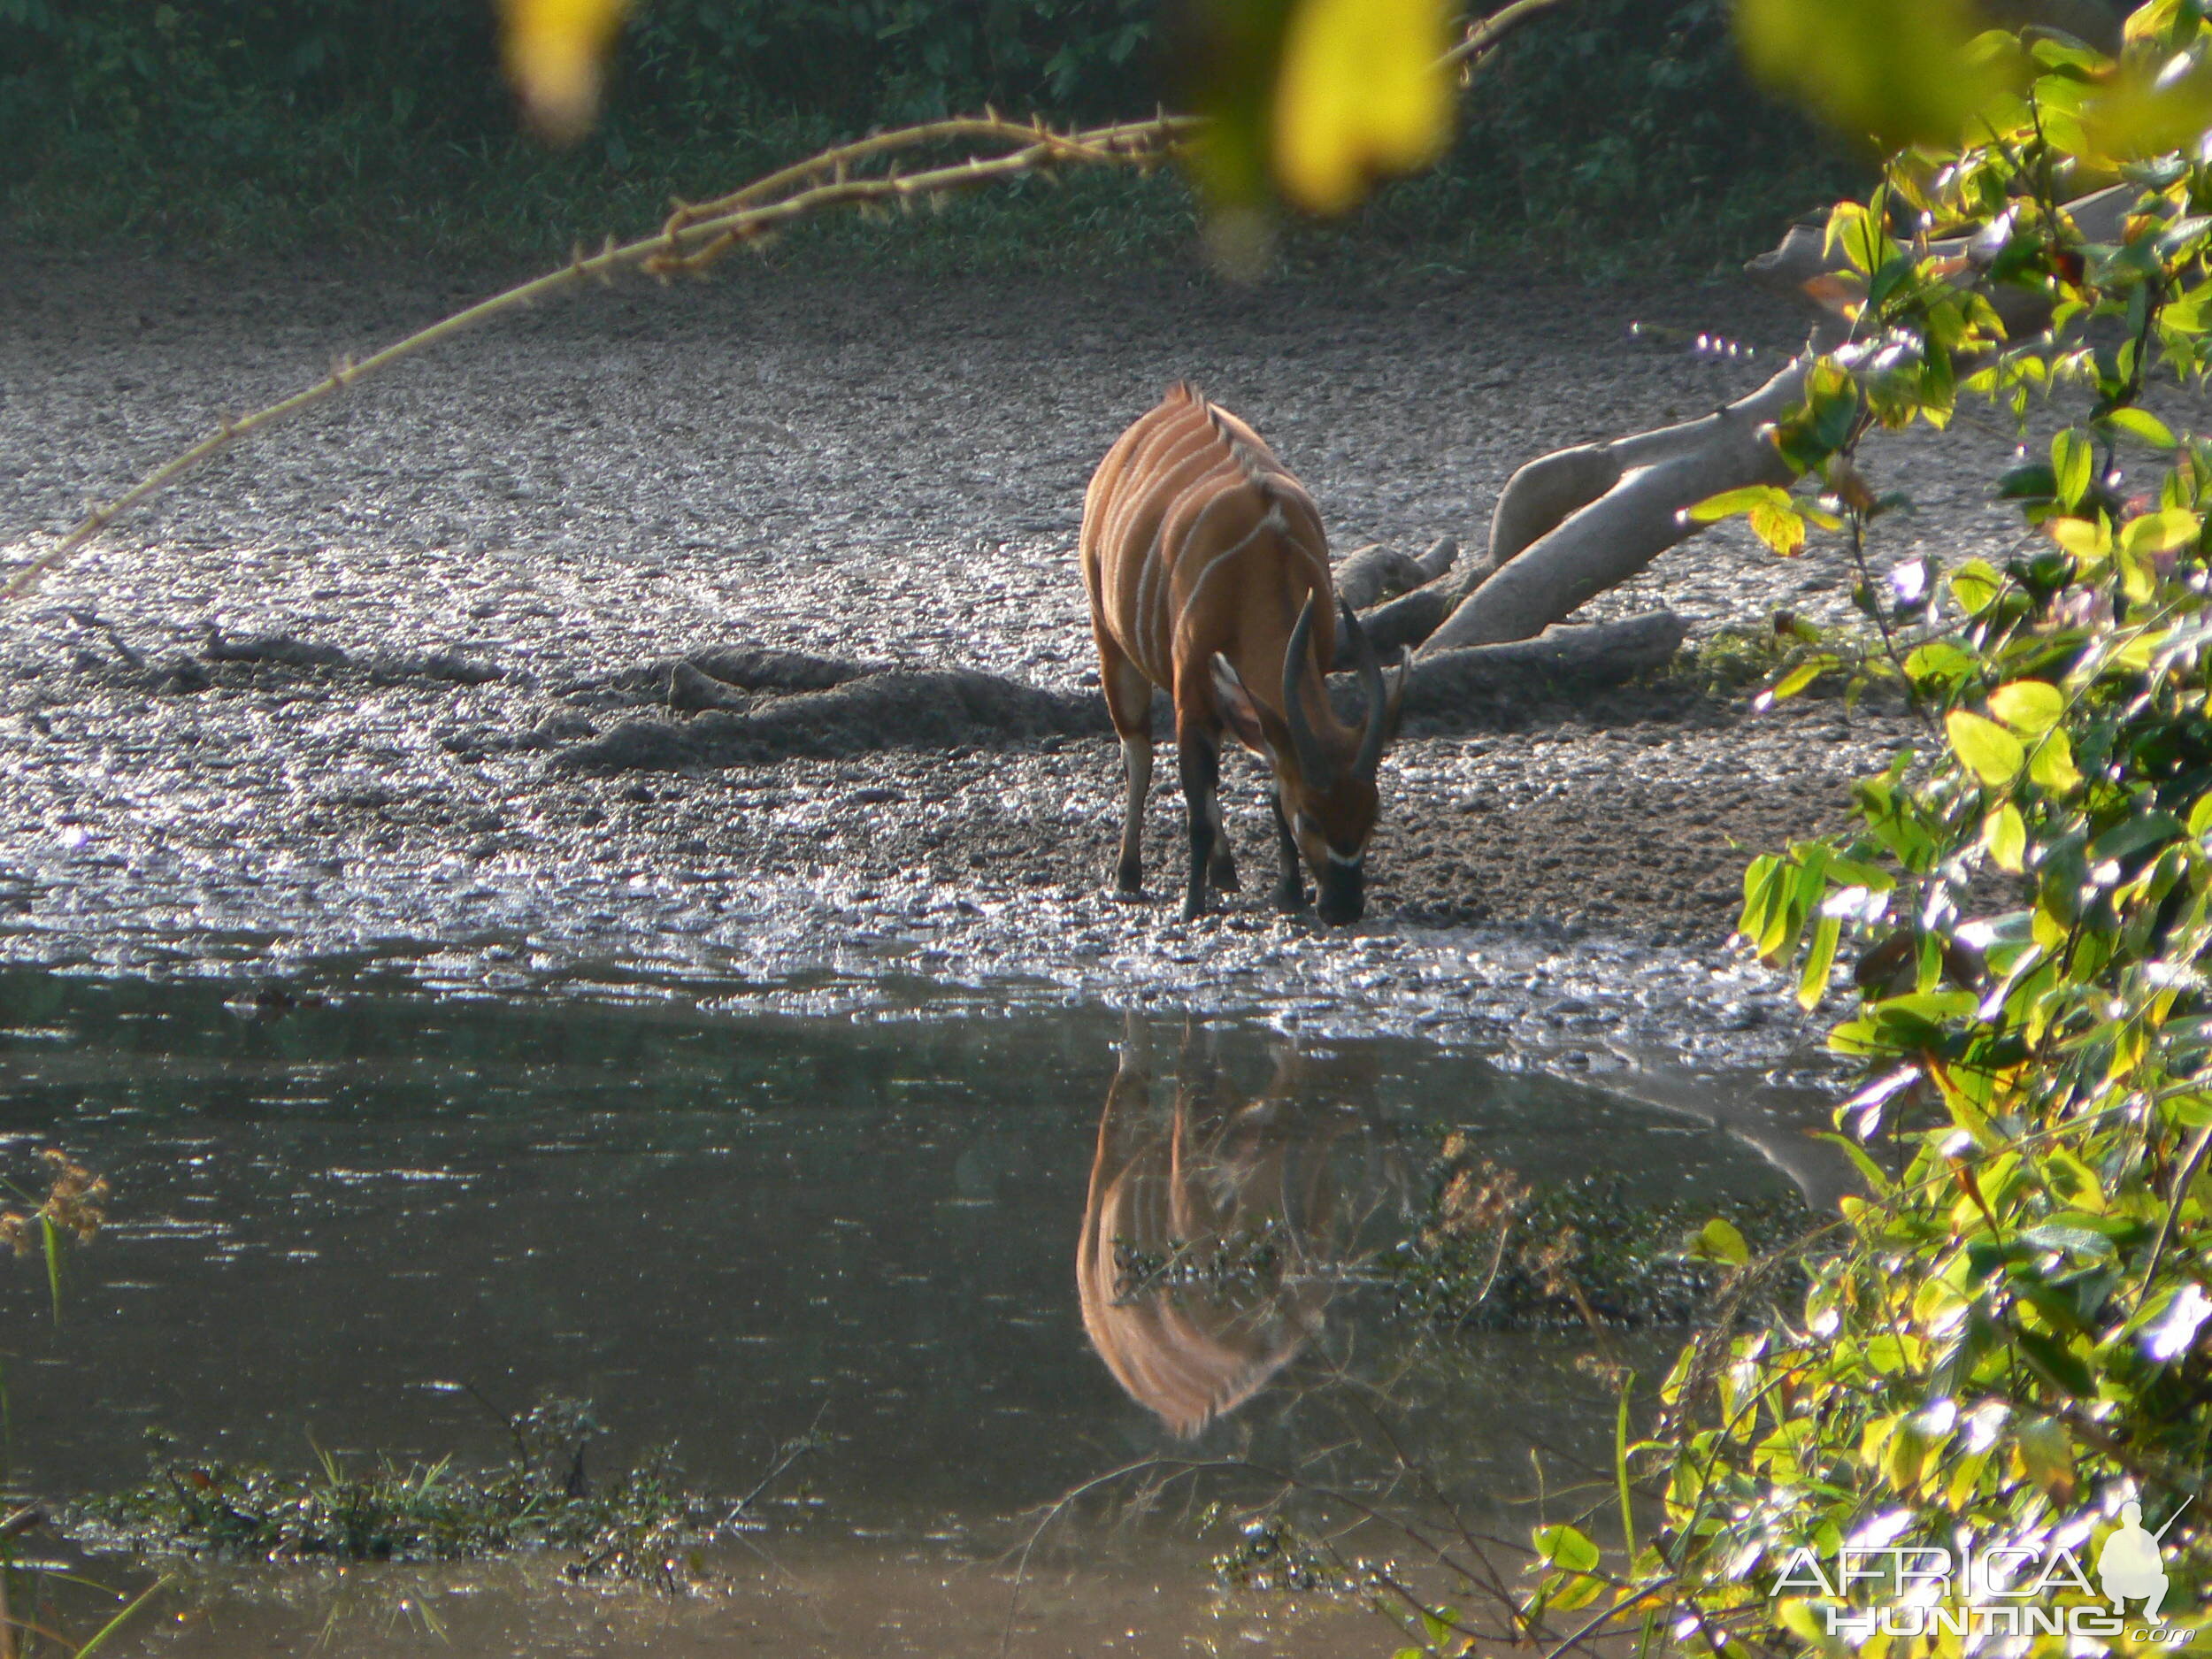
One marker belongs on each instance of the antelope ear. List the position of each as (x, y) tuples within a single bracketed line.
[(1237, 707)]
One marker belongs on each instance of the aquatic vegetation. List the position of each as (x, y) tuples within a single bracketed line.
[(1493, 1252), (646, 1526), (70, 1212)]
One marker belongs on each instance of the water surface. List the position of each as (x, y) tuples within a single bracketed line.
[(356, 1222)]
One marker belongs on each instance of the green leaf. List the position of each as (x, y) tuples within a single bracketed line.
[(2201, 814), (50, 1236), (1765, 887), (2135, 834), (1906, 71), (2027, 480), (1567, 1548), (2046, 1454), (2141, 423), (2073, 463), (1939, 662), (1800, 677), (1812, 983), (1993, 754), (1976, 584), (2056, 1363)]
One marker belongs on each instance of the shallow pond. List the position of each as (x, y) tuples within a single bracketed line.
[(371, 1225)]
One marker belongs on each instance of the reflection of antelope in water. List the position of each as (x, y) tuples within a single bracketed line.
[(1200, 1268)]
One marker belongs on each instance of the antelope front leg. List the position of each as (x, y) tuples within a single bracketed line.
[(1136, 763), (1199, 759), (1290, 891)]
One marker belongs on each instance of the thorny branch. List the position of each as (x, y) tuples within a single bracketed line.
[(1485, 35), (697, 233)]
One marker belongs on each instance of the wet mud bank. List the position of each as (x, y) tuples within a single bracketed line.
[(731, 641)]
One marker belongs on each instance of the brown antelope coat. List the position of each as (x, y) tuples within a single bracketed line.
[(1208, 571)]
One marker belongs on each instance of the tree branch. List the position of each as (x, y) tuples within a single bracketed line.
[(695, 236)]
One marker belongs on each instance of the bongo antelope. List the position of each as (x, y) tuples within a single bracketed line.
[(1208, 578)]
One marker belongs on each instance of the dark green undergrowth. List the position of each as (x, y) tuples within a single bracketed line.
[(1618, 136)]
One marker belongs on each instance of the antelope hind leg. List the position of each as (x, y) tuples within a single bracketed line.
[(1136, 763), (1129, 701)]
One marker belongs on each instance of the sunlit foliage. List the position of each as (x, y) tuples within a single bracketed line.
[(2005, 1339)]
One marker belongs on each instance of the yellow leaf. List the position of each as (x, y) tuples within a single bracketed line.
[(1362, 92), (2029, 707), (1780, 526), (2052, 766), (2086, 539), (2146, 109), (2160, 532), (2006, 835), (555, 52), (1992, 753)]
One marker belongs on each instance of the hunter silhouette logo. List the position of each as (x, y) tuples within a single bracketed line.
[(2131, 1566)]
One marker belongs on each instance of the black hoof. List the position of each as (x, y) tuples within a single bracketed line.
[(1291, 897)]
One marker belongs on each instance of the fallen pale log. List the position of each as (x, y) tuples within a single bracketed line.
[(1802, 266), (1570, 525), (911, 710), (1406, 621), (1375, 573), (1573, 524)]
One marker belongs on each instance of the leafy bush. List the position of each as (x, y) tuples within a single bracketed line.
[(1635, 116), (2004, 1341)]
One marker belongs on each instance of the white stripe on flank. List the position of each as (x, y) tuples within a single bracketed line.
[(1151, 618), (1319, 561), (1272, 520)]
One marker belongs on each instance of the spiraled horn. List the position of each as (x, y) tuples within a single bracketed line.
[(1375, 728), (1313, 759)]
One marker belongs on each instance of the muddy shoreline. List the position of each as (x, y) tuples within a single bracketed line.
[(306, 716)]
